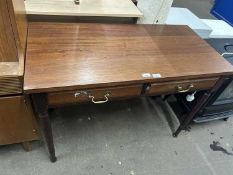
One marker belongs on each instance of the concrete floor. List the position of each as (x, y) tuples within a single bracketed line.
[(129, 137), (200, 8)]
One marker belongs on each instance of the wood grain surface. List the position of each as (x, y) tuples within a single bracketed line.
[(10, 85), (18, 17), (13, 35), (78, 56), (17, 122), (8, 50), (111, 8)]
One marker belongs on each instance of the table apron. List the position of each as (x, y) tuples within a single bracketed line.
[(105, 94)]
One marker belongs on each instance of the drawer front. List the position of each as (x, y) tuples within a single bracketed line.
[(180, 86), (97, 96)]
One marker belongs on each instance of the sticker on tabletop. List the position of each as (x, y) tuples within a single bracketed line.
[(156, 75), (146, 75)]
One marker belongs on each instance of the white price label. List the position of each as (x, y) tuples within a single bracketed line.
[(156, 75), (146, 75)]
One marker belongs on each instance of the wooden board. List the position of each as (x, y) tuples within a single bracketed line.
[(111, 8), (19, 24), (10, 80), (8, 51), (18, 17), (17, 122), (13, 35), (77, 56)]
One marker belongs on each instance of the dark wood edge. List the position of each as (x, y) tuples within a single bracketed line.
[(200, 104), (114, 84)]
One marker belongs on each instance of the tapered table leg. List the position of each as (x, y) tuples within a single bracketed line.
[(200, 104), (40, 103)]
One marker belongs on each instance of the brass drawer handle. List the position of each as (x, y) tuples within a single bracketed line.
[(181, 90), (101, 101), (89, 95), (227, 53)]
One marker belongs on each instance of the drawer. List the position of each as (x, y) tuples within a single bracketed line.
[(101, 95), (180, 86)]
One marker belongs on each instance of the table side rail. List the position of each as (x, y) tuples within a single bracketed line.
[(103, 95)]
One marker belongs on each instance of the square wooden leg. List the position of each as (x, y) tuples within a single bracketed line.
[(201, 102)]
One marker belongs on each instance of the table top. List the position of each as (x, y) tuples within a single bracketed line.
[(76, 56), (112, 8)]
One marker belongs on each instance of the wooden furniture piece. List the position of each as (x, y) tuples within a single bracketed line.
[(11, 48), (54, 9), (17, 122), (76, 63)]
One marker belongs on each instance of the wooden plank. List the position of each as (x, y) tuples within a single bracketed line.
[(78, 56), (18, 18), (17, 122), (13, 36), (10, 85), (10, 80), (111, 8), (9, 69), (8, 51)]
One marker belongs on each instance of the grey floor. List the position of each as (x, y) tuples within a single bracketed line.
[(130, 137), (201, 8), (124, 138)]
